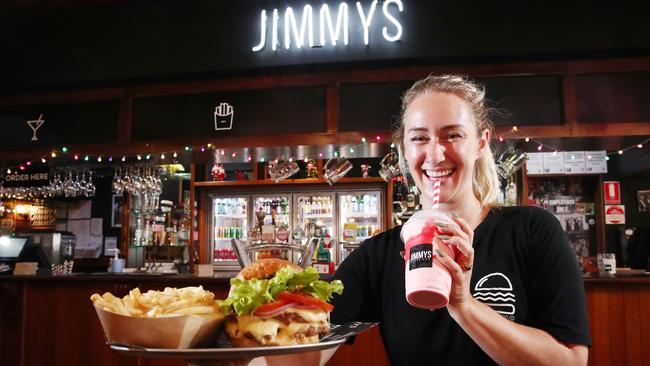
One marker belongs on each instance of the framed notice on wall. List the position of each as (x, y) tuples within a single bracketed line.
[(643, 200)]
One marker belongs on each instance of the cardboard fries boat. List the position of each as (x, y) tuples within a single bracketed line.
[(183, 331)]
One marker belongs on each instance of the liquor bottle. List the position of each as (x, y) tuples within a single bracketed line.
[(397, 197), (284, 204), (316, 206), (146, 235), (309, 207), (139, 231)]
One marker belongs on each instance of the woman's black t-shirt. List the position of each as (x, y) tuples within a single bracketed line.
[(524, 269)]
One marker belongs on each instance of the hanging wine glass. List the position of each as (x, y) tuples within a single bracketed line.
[(117, 184), (83, 185), (90, 187)]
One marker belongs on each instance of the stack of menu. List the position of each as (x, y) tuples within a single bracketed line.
[(26, 268)]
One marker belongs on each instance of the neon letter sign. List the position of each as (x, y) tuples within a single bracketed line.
[(298, 37)]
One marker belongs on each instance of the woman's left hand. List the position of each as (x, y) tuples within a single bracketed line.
[(462, 237)]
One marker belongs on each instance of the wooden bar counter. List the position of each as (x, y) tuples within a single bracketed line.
[(49, 320)]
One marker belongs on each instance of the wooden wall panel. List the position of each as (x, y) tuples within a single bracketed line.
[(11, 325), (616, 321), (644, 323), (619, 322), (631, 326)]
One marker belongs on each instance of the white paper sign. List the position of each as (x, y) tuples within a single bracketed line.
[(80, 211), (96, 226), (596, 162), (110, 243), (81, 230), (534, 164), (553, 162), (574, 162)]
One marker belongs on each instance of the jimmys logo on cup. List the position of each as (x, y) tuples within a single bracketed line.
[(427, 281), (421, 256)]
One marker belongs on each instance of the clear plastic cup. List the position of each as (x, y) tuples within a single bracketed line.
[(427, 281)]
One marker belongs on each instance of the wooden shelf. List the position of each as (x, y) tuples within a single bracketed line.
[(270, 182)]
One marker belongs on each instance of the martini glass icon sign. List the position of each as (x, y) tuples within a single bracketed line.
[(35, 124)]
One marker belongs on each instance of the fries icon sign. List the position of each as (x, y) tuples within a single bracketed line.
[(223, 116)]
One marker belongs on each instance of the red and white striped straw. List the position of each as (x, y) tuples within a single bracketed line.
[(436, 194)]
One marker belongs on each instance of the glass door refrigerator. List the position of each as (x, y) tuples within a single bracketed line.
[(315, 217), (229, 221), (360, 214)]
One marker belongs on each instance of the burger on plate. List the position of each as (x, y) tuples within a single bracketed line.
[(274, 302)]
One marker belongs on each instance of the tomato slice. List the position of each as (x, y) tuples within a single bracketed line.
[(270, 306), (306, 300)]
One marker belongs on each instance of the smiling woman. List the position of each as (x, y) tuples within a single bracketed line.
[(444, 137)]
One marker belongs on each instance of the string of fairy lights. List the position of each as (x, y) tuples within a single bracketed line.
[(66, 153), (518, 133)]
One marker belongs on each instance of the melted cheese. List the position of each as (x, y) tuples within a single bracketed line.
[(271, 331), (310, 316), (257, 327)]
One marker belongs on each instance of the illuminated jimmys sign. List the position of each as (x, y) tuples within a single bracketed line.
[(287, 29)]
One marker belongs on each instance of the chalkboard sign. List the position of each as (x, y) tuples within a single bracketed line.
[(254, 112), (524, 100), (613, 97), (529, 100), (372, 106), (54, 125)]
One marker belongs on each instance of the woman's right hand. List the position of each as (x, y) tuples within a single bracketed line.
[(461, 236)]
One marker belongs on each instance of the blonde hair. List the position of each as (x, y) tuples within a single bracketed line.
[(485, 181)]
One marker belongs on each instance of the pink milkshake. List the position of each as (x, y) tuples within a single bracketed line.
[(427, 281)]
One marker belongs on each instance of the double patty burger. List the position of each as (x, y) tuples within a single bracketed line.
[(274, 302)]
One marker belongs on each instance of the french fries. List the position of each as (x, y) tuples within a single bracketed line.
[(156, 304)]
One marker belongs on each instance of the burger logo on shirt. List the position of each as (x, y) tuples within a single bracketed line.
[(495, 290)]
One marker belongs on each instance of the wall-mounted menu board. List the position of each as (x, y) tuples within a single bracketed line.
[(59, 124), (524, 100), (254, 112), (372, 106), (613, 97)]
